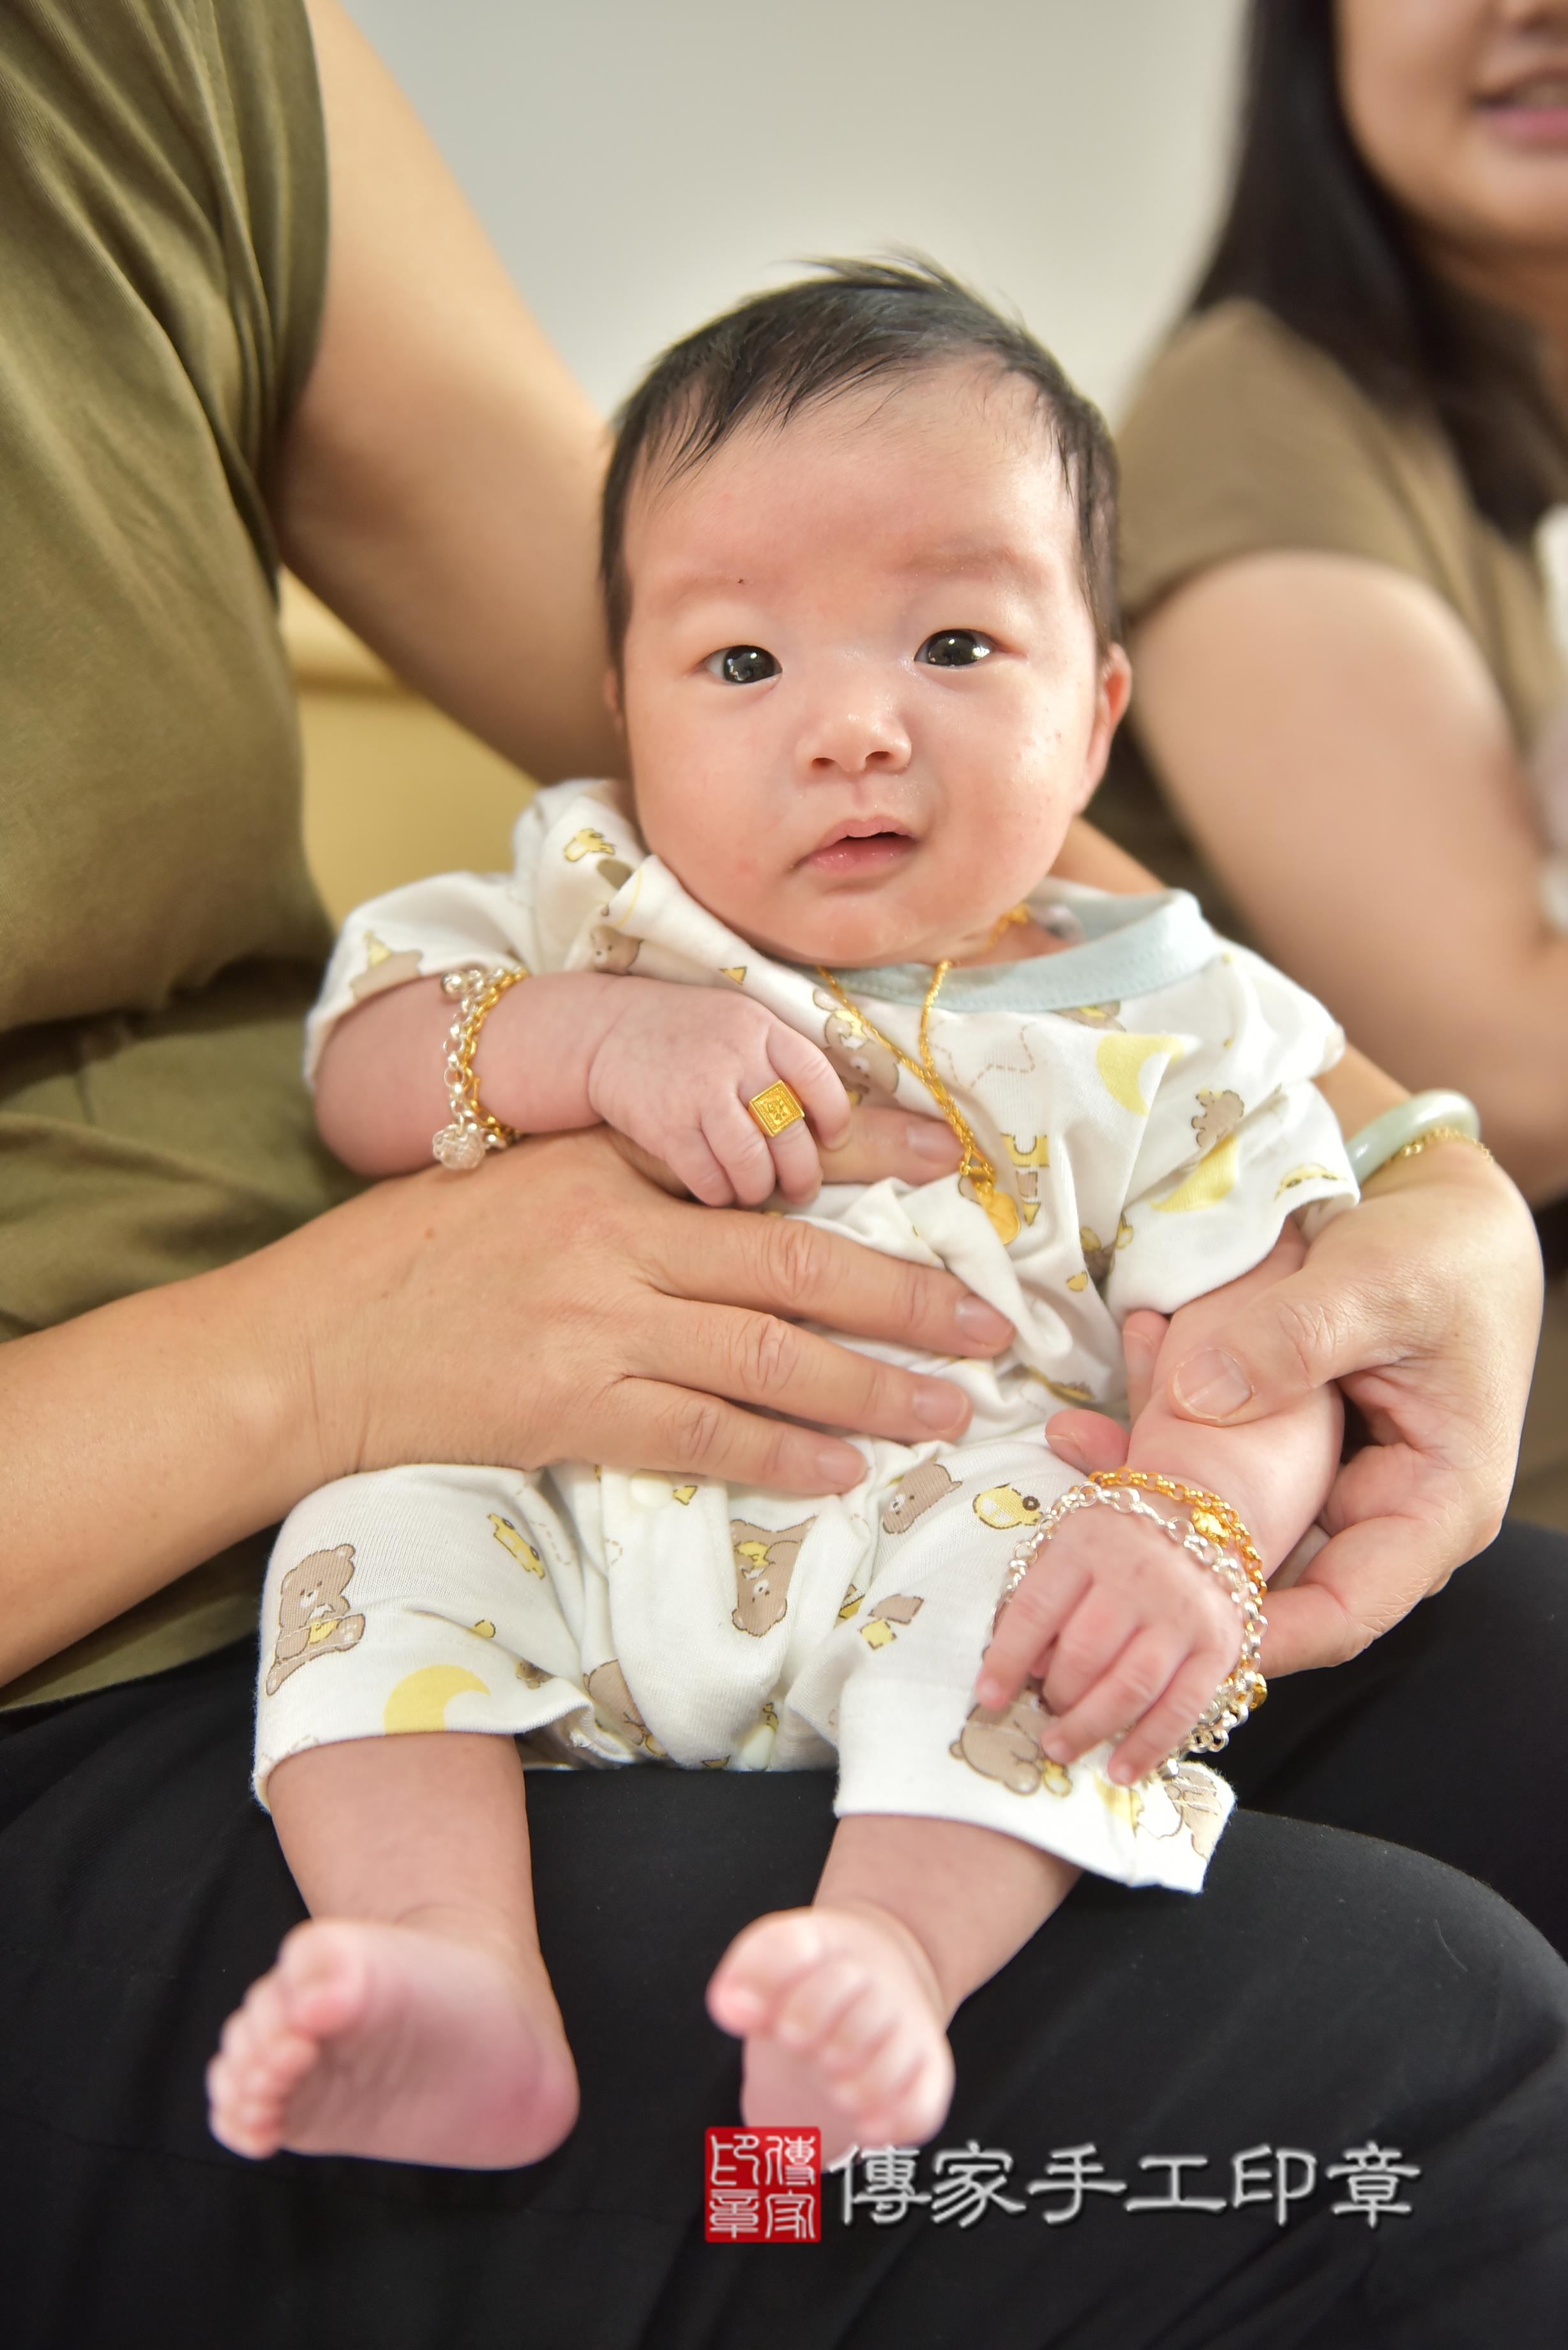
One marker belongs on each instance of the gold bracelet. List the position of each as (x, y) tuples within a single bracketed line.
[(1425, 1141), (473, 1132), (1210, 1530)]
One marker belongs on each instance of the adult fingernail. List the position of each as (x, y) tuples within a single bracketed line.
[(981, 1322), (840, 1465), (1213, 1384), (932, 1141), (939, 1405)]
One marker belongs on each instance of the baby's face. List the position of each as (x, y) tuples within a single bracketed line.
[(860, 686)]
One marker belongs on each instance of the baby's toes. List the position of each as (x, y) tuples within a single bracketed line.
[(904, 2094), (320, 1980), (760, 1967), (830, 2012)]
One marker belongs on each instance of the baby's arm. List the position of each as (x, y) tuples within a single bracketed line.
[(1126, 1630), (671, 1067)]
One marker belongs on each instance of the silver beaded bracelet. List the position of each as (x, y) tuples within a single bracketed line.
[(1242, 1689)]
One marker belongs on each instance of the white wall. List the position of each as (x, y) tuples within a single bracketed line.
[(641, 163)]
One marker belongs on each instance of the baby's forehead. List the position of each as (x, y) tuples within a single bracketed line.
[(950, 470)]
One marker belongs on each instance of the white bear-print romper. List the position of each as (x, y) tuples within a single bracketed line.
[(1146, 1098)]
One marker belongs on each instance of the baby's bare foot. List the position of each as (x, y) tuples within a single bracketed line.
[(395, 2042), (844, 2025)]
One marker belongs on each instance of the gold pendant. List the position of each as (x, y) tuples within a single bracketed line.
[(1000, 1209)]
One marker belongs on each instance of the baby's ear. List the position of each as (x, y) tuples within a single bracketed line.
[(612, 701), (1114, 693)]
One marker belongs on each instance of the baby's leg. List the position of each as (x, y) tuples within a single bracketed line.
[(411, 2019), (844, 2007)]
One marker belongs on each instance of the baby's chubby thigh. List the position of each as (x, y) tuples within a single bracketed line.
[(420, 1598)]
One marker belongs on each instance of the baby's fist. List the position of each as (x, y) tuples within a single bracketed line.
[(676, 1071), (1128, 1636)]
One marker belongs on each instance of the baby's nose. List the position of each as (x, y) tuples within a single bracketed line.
[(859, 737)]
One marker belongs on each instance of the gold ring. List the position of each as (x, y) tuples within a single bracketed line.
[(775, 1107)]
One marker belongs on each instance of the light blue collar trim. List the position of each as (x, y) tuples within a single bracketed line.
[(1131, 947)]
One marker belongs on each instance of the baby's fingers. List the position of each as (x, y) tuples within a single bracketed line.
[(1120, 1697), (1168, 1722), (797, 1166), (811, 1077), (691, 1161), (1029, 1623), (737, 1142)]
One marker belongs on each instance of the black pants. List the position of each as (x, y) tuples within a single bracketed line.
[(1326, 1991)]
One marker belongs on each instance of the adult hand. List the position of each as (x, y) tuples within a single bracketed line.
[(1424, 1303), (556, 1305)]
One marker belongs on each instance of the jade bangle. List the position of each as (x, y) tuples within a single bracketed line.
[(1375, 1144)]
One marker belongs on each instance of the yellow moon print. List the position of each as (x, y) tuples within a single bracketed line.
[(1213, 1177), (1120, 1059), (420, 1701)]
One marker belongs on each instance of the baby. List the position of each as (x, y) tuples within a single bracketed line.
[(858, 560)]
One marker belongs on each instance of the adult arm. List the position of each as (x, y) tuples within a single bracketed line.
[(439, 481), (427, 1321), (1334, 741)]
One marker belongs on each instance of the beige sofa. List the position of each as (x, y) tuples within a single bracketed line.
[(392, 789)]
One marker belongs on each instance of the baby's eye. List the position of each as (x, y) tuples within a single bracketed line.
[(741, 665), (956, 649)]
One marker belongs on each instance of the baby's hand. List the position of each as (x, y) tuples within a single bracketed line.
[(675, 1071), (1126, 1632)]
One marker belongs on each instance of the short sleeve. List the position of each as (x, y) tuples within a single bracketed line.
[(442, 924), (1238, 1136), (1245, 439)]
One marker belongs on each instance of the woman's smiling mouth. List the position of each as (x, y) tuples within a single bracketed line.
[(1532, 110)]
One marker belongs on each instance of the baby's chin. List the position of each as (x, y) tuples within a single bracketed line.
[(844, 946)]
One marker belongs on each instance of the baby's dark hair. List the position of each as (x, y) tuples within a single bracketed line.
[(854, 322)]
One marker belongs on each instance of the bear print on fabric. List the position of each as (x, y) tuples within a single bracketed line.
[(313, 1615), (914, 1495), (1002, 1743), (765, 1562), (865, 1064), (607, 1687)]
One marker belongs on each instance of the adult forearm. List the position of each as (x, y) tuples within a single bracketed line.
[(138, 1440), (437, 485)]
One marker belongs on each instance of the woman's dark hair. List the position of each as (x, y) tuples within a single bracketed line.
[(1311, 236), (855, 322)]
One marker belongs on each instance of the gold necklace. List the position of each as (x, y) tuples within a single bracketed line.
[(974, 1166)]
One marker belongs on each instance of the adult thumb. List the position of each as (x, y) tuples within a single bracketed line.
[(1276, 1348)]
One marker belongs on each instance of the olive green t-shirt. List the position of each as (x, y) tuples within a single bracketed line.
[(1243, 440), (162, 255)]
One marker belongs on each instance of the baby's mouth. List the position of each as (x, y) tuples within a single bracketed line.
[(862, 849)]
